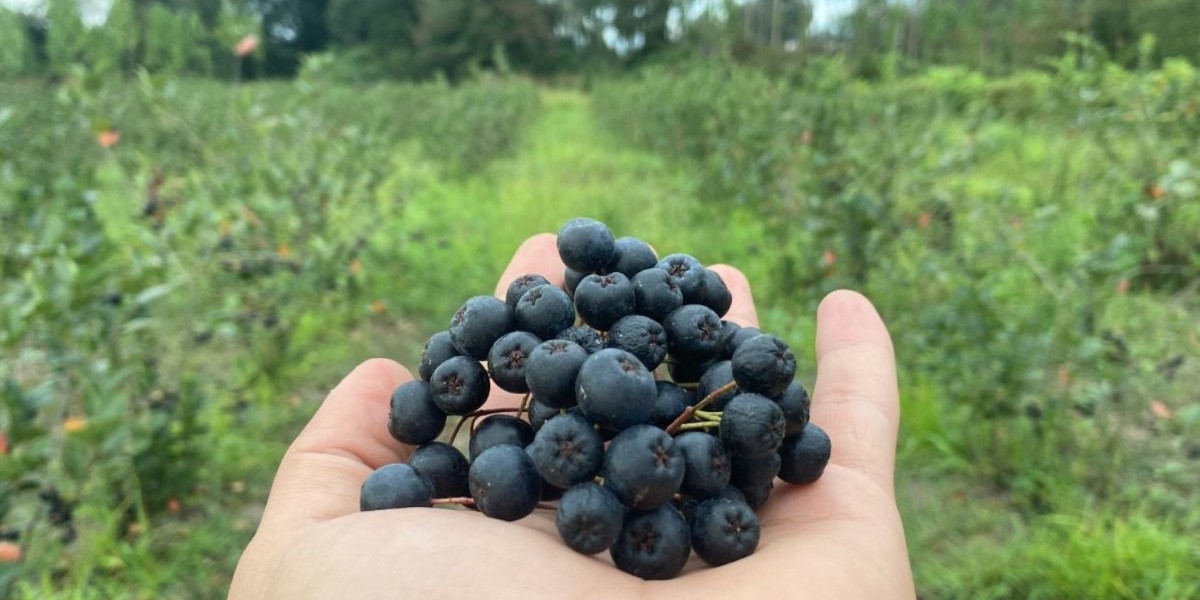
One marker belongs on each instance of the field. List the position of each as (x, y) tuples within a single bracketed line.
[(189, 266)]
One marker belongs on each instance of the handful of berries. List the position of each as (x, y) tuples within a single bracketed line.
[(644, 467)]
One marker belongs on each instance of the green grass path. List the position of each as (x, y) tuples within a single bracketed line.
[(567, 166)]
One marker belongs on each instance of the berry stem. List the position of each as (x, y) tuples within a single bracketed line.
[(699, 425), (524, 404), (470, 503), (717, 393), (691, 387), (462, 501), (708, 416), (691, 410), (457, 426), (491, 411)]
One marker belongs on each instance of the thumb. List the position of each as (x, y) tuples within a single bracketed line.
[(856, 398), (322, 472)]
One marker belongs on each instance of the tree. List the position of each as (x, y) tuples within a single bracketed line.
[(1174, 23), (875, 29), (380, 23), (64, 36), (290, 29), (640, 25), (776, 23), (112, 49), (16, 54), (455, 36)]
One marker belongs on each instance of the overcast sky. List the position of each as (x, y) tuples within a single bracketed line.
[(93, 10), (825, 12)]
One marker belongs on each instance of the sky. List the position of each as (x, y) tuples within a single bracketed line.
[(825, 12), (93, 11)]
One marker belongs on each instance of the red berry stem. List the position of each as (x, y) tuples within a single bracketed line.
[(691, 410), (469, 502)]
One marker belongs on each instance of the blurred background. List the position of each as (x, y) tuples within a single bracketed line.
[(213, 209)]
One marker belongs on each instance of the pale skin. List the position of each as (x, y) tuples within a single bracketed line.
[(839, 538)]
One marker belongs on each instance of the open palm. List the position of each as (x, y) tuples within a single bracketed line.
[(840, 537)]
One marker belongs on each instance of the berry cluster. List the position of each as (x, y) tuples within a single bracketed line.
[(644, 467)]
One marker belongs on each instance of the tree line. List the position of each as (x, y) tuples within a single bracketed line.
[(420, 39)]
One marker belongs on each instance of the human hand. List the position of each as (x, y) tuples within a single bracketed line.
[(840, 537)]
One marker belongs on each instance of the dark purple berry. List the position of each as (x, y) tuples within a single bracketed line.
[(414, 418), (615, 390), (764, 365), (438, 350), (589, 518), (478, 324), (551, 493), (751, 472), (724, 531), (655, 294), (717, 376), (795, 406), (602, 300), (460, 385), (539, 413), (585, 336), (394, 486), (520, 285), (567, 450), (643, 467), (694, 333), (444, 466), (586, 245), (653, 544), (728, 329), (571, 279), (752, 426), (757, 495), (732, 337), (631, 257), (544, 311), (499, 430), (689, 503), (707, 467), (508, 359), (642, 337), (716, 294), (672, 400), (687, 273), (684, 371), (805, 456), (552, 371), (504, 483), (731, 493)]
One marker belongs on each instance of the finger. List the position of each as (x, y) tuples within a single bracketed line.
[(536, 255), (742, 310), (856, 399), (321, 473)]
